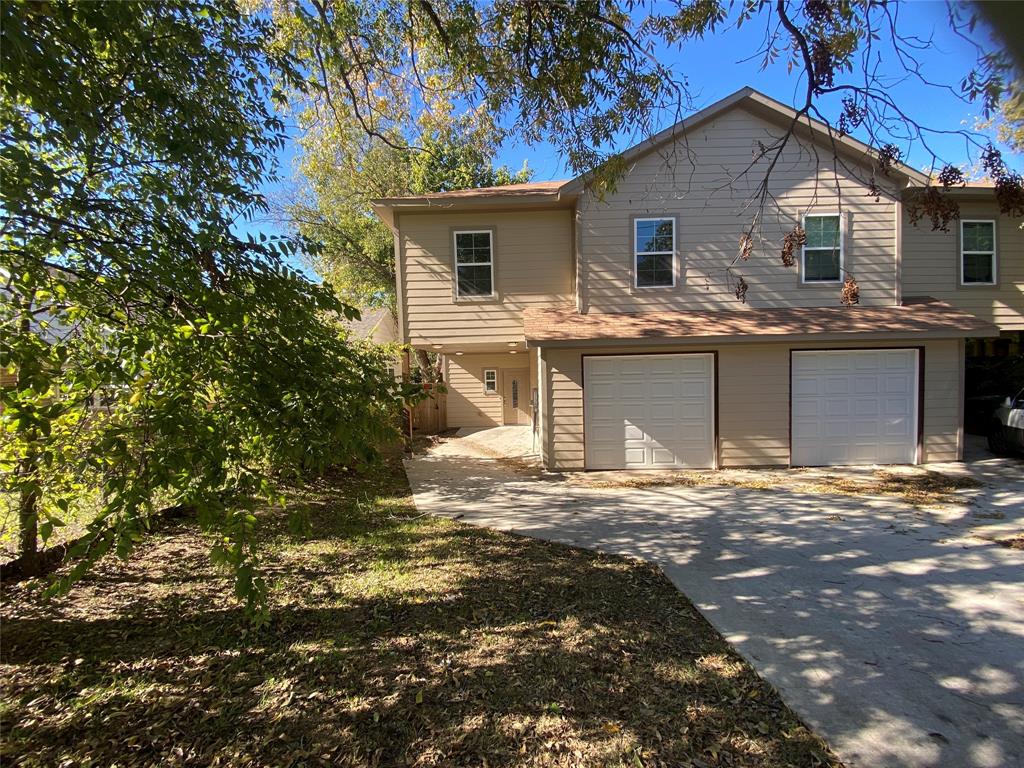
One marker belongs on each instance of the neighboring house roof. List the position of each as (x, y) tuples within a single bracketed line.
[(565, 192), (376, 325), (925, 317)]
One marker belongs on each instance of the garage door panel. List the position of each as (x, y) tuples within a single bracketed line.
[(633, 457), (631, 432), (807, 408), (854, 407), (865, 385), (663, 405), (862, 407), (834, 385)]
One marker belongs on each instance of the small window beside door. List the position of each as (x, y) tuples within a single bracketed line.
[(654, 253), (474, 264), (490, 381), (977, 252), (823, 249)]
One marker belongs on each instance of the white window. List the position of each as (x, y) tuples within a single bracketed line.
[(490, 381), (977, 252), (823, 249), (654, 253), (474, 264)]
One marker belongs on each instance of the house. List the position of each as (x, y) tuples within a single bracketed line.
[(610, 323), (375, 324)]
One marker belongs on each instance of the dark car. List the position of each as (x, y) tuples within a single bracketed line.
[(1006, 431)]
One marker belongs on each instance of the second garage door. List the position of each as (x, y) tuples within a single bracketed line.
[(854, 407), (649, 411)]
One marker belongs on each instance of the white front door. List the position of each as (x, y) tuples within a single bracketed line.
[(649, 411), (854, 407)]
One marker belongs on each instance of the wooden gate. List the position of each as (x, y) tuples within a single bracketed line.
[(430, 415)]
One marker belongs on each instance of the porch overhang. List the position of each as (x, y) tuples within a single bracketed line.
[(923, 318)]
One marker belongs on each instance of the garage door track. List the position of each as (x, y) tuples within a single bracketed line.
[(894, 634)]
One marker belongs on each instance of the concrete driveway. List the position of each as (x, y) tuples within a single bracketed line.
[(895, 634)]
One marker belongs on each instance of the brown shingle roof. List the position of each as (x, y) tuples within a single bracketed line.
[(506, 190), (556, 325)]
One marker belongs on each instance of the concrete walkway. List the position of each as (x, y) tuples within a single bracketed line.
[(897, 636)]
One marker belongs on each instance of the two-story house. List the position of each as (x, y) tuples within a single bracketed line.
[(610, 322)]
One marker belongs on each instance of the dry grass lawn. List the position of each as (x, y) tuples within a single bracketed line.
[(393, 641), (918, 488)]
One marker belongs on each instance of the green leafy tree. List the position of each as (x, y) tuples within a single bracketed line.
[(341, 169), (161, 358)]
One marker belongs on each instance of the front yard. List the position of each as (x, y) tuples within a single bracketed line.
[(393, 640)]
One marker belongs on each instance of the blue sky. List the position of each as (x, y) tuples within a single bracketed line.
[(715, 68), (720, 65)]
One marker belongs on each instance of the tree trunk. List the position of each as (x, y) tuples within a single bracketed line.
[(28, 501), (427, 369), (28, 517)]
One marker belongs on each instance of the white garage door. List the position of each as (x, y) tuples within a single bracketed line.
[(648, 411), (854, 407)]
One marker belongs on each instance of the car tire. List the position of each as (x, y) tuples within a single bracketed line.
[(996, 441)]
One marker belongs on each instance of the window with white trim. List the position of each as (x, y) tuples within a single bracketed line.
[(474, 264), (823, 248), (490, 381), (977, 252), (654, 252)]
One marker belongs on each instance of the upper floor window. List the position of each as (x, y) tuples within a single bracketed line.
[(823, 249), (977, 252), (654, 252), (474, 264)]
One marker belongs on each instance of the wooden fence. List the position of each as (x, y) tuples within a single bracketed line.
[(430, 415)]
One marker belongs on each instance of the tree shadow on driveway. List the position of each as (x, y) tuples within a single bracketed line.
[(900, 643)]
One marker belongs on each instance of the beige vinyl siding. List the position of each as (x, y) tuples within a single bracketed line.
[(468, 405), (753, 399), (690, 180), (532, 254), (931, 267), (943, 401)]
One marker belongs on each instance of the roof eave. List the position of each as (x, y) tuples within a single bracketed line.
[(650, 341), (387, 207), (973, 193)]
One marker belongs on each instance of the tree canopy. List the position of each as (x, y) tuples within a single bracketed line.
[(163, 358)]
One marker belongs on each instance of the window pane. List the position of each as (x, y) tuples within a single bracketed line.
[(654, 270), (822, 231), (473, 247), (654, 235), (475, 280), (979, 236), (821, 265), (977, 268)]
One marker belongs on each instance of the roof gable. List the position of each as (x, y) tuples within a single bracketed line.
[(763, 106)]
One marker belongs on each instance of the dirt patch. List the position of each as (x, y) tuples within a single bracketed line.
[(393, 640), (921, 488), (1013, 542)]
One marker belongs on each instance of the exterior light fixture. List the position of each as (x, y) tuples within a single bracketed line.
[(459, 354)]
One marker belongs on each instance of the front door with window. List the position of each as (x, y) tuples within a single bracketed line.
[(515, 396)]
